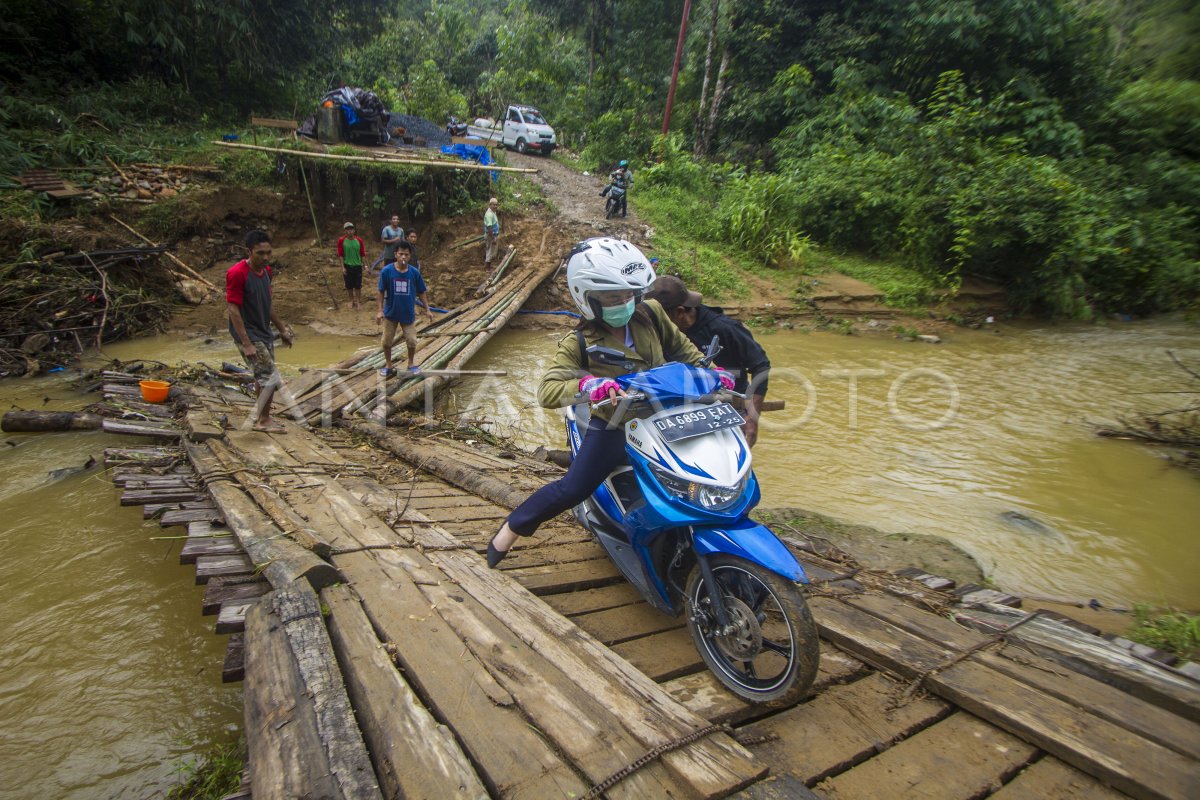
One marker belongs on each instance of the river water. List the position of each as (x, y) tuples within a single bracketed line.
[(110, 676)]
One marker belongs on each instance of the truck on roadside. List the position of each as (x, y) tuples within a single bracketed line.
[(526, 131)]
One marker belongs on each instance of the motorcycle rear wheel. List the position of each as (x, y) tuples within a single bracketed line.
[(772, 653)]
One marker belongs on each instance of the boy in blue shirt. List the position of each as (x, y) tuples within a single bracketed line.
[(400, 286)]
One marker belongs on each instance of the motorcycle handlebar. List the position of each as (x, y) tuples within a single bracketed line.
[(641, 397)]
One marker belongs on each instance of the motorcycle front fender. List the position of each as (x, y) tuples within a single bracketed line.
[(751, 541)]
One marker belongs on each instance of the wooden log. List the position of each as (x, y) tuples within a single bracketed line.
[(428, 458), (300, 729), (43, 421), (281, 559), (269, 500), (414, 755), (141, 497), (186, 516)]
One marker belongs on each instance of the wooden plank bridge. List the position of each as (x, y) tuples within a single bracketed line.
[(380, 657)]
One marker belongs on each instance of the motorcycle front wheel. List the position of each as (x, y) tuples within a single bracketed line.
[(770, 652)]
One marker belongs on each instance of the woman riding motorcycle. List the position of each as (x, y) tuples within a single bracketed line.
[(607, 279)]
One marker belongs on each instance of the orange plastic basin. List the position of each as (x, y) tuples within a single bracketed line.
[(154, 391)]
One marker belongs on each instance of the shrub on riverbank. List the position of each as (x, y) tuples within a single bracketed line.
[(1175, 631)]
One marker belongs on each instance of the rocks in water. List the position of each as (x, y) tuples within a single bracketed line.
[(1029, 524)]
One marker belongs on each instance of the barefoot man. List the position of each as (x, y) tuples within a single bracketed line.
[(248, 306)]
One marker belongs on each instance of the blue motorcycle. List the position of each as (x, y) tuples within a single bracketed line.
[(675, 523)]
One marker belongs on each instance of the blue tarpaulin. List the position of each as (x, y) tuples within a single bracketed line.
[(471, 152)]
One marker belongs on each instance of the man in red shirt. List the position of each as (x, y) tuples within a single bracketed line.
[(248, 306)]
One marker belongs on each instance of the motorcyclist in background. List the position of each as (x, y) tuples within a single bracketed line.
[(622, 177)]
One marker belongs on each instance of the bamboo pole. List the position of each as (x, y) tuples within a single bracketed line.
[(377, 159), (171, 256)]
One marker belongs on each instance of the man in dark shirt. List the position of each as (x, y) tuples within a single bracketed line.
[(248, 306), (739, 354)]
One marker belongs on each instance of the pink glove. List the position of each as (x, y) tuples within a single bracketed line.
[(597, 389), (726, 379)]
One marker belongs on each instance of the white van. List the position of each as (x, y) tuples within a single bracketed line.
[(526, 131)]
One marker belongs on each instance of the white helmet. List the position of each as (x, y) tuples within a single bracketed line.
[(605, 264)]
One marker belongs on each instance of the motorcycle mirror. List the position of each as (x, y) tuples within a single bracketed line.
[(711, 351), (608, 356)]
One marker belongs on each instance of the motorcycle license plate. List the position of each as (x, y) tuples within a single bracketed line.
[(686, 424)]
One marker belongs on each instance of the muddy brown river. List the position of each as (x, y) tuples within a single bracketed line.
[(109, 676)]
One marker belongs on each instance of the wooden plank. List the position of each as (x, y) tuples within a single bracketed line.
[(140, 497), (777, 787), (627, 623), (959, 758), (233, 668), (519, 763), (300, 728), (414, 755), (186, 516), (663, 656), (1094, 657), (712, 766), (1119, 758), (232, 616), (147, 457), (209, 567), (584, 601), (703, 693), (195, 547), (552, 578), (841, 727), (1051, 779), (201, 426), (141, 429), (271, 122), (219, 592), (874, 641), (1106, 702)]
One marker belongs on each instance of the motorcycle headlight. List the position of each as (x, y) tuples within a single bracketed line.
[(712, 498), (715, 498)]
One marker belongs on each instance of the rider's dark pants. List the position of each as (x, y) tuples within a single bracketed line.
[(603, 451)]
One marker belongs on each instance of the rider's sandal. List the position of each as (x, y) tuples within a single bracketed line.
[(494, 556)]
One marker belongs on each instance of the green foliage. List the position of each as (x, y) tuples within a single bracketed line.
[(1174, 631), (213, 776)]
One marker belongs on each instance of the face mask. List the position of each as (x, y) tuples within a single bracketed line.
[(618, 316)]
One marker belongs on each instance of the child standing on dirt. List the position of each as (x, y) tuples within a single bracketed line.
[(351, 250), (400, 287), (491, 232)]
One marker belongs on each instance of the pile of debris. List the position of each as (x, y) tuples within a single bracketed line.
[(148, 181), (53, 308)]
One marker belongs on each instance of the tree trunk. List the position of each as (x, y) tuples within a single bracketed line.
[(701, 123), (43, 421), (714, 112)]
